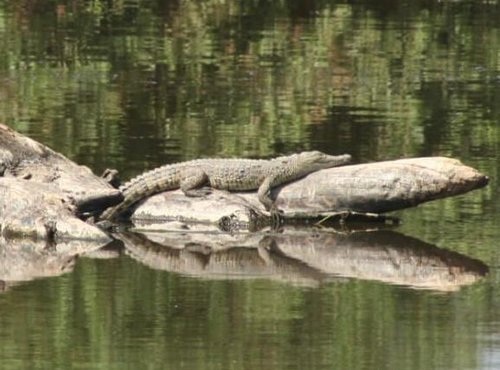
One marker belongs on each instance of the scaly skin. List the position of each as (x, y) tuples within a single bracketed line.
[(224, 174)]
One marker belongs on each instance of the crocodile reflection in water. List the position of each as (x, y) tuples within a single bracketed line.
[(308, 258)]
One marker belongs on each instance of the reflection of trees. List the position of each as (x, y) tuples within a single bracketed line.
[(229, 72), (246, 78)]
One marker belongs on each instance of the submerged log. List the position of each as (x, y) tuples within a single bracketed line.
[(305, 258), (365, 188)]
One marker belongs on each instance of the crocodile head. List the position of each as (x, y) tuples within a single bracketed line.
[(317, 160)]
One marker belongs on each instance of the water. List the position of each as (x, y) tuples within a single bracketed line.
[(135, 84)]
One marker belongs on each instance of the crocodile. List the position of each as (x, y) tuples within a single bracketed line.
[(234, 174)]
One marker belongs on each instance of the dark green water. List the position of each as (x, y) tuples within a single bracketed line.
[(135, 84)]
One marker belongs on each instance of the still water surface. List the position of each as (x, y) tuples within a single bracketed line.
[(135, 84)]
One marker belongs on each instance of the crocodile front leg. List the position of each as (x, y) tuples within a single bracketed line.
[(192, 182), (264, 194)]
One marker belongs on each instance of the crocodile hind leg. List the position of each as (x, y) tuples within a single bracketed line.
[(193, 182)]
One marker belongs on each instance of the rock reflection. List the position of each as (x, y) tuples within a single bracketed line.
[(384, 256), (22, 260), (307, 258), (244, 258)]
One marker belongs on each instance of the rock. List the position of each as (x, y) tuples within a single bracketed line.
[(44, 195)]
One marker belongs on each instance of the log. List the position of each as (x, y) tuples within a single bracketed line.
[(365, 188), (302, 257)]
